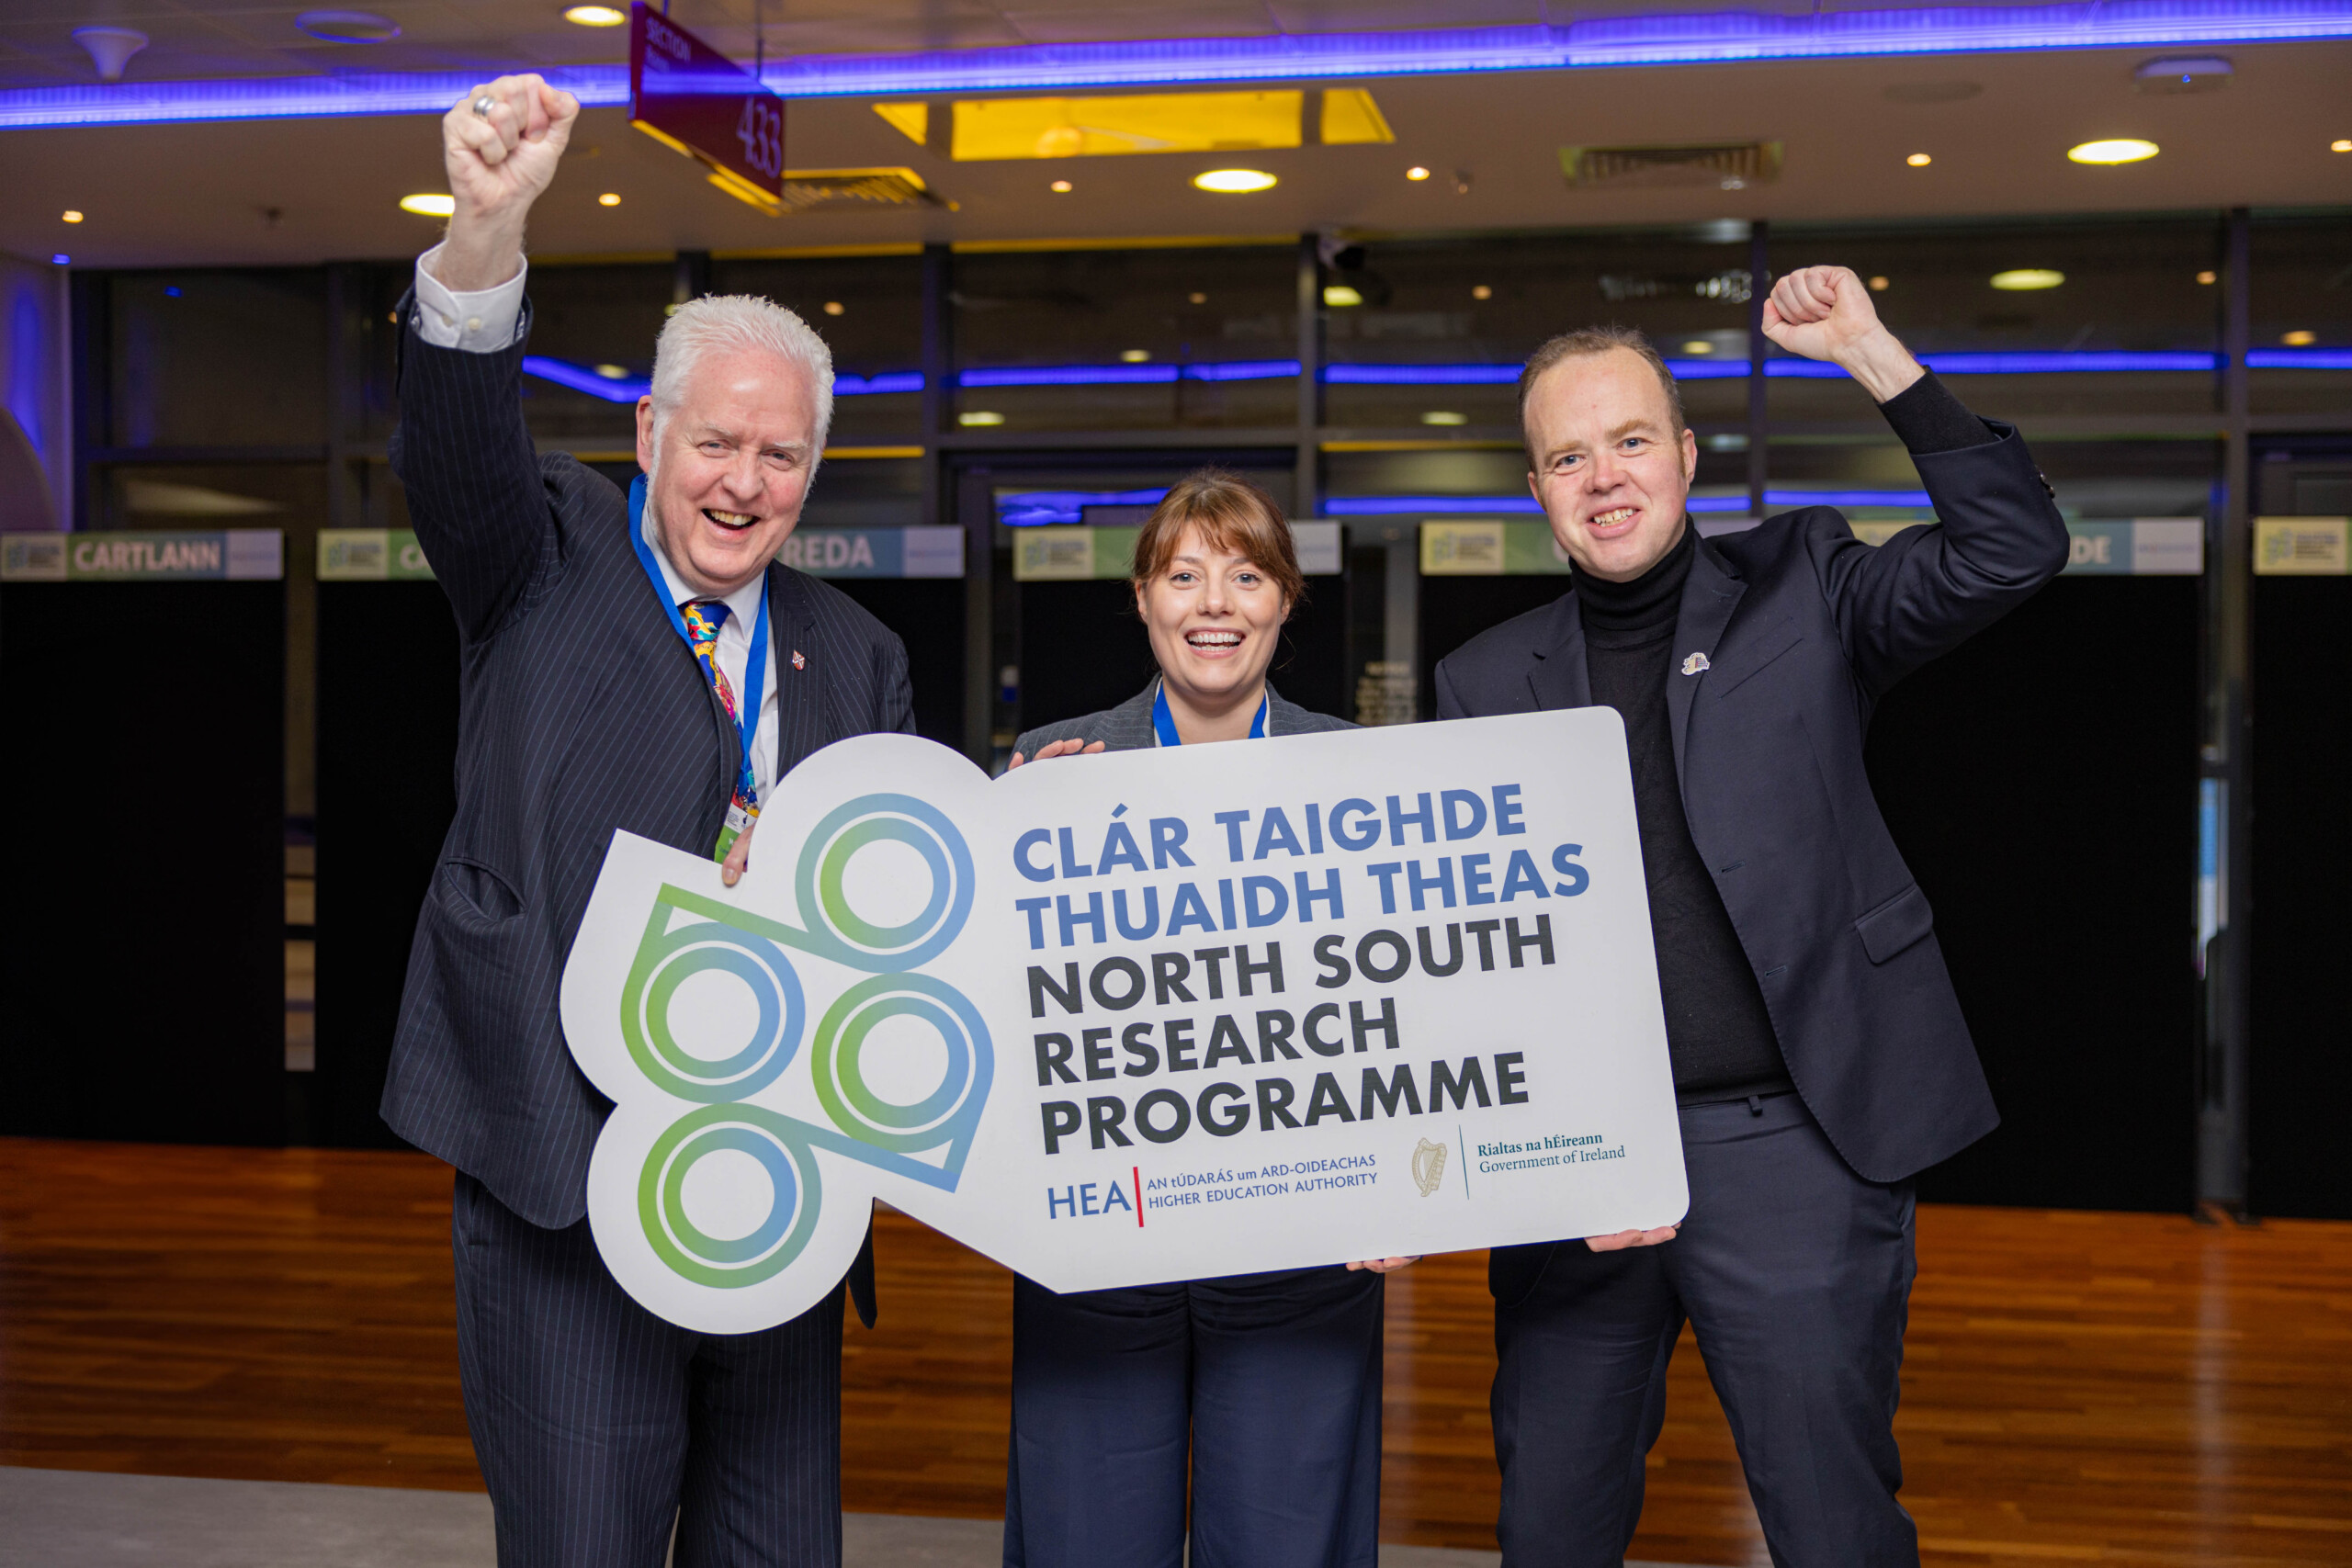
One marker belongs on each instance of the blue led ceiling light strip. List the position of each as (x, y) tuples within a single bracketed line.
[(1524, 505), (1129, 374), (2077, 363), (1596, 43), (2298, 359), (624, 390), (1046, 508), (628, 388)]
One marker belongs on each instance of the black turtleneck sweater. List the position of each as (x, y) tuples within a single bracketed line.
[(1718, 1034)]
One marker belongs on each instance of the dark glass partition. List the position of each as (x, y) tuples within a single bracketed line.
[(1201, 336)]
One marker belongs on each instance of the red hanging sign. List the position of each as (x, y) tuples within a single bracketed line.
[(691, 97)]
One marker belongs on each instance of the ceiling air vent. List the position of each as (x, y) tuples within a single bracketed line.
[(1726, 165), (809, 190)]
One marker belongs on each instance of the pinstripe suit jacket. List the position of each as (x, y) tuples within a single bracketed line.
[(581, 711), (1127, 728)]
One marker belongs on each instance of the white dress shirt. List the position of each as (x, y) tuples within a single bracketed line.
[(485, 321)]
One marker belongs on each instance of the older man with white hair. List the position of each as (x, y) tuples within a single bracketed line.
[(631, 661)]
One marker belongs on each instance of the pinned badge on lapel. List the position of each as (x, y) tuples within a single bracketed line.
[(799, 659), (1693, 665)]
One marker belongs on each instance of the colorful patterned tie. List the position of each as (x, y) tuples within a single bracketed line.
[(703, 618)]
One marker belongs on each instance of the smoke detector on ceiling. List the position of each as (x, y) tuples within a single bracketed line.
[(348, 27), (110, 48), (2173, 75)]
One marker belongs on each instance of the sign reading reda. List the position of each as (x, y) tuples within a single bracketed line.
[(1133, 1017)]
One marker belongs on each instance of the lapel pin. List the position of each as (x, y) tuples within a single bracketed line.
[(1693, 665), (799, 659)]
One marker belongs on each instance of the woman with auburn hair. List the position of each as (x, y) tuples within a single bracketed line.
[(1270, 1383)]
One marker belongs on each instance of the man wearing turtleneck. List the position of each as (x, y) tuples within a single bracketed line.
[(1819, 1052)]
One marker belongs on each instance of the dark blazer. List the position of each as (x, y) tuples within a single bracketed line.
[(580, 710), (1128, 728), (1803, 627)]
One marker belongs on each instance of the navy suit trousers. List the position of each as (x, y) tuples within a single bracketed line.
[(1272, 1381), (598, 1424), (1795, 1276)]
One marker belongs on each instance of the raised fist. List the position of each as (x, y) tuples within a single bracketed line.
[(501, 147), (1825, 313), (1818, 311)]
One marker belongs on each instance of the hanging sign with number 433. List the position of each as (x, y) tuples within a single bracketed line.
[(690, 98)]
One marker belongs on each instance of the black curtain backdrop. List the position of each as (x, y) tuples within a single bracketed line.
[(2301, 1049), (2041, 781), (388, 748), (928, 614), (143, 943)]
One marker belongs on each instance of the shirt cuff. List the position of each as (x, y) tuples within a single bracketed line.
[(483, 322), (1928, 418)]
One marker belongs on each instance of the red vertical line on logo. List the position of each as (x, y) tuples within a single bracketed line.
[(1137, 1172)]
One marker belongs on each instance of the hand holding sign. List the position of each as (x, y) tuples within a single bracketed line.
[(501, 147), (1162, 1015)]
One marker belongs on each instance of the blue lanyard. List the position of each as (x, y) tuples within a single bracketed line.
[(1164, 722), (755, 669)]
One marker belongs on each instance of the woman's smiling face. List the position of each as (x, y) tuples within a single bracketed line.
[(1214, 617)]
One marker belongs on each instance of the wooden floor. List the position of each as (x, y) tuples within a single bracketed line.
[(2079, 1387)]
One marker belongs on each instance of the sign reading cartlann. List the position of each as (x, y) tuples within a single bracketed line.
[(1133, 1017)]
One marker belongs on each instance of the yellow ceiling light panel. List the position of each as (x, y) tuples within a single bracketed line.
[(909, 120), (1351, 117), (990, 129)]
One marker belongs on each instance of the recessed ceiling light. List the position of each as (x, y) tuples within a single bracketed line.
[(1698, 345), (610, 199), (348, 27), (2021, 279), (71, 216), (613, 372), (1341, 294), (1444, 416), (1197, 298), (595, 16), (428, 205), (835, 308), (2341, 144), (979, 416), (2299, 338), (1061, 187), (2117, 149), (1235, 182), (2209, 277), (1416, 172), (1480, 291), (1135, 355), (1919, 160), (1877, 283)]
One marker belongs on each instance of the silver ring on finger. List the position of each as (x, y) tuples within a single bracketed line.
[(483, 105)]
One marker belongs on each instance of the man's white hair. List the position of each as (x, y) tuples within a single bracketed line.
[(730, 324)]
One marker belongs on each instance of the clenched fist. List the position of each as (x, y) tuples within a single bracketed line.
[(1825, 313), (501, 147)]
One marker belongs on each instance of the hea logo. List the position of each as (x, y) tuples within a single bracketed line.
[(688, 934)]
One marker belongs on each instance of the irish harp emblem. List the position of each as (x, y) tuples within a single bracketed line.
[(1429, 1166)]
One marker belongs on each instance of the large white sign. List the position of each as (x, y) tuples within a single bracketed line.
[(1142, 1016)]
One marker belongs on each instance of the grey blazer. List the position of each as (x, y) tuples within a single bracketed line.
[(1127, 728)]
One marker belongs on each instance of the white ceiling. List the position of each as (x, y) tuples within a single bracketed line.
[(207, 193)]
